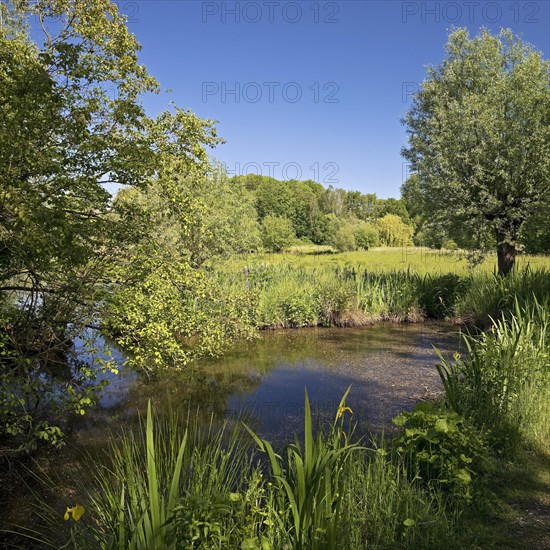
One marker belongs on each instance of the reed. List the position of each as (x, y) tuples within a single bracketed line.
[(503, 384), (295, 295)]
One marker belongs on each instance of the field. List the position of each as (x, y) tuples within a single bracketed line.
[(314, 287), (420, 260)]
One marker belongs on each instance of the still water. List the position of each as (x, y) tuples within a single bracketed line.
[(390, 367)]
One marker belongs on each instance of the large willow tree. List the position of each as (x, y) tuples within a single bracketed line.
[(479, 138), (71, 121)]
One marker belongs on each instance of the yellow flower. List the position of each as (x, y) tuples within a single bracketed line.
[(342, 410), (76, 512)]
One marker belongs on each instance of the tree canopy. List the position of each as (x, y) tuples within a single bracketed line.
[(479, 139), (71, 122)]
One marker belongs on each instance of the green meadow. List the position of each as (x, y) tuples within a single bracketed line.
[(418, 259)]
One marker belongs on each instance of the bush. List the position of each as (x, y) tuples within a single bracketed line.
[(440, 449), (394, 231), (344, 239), (277, 233), (366, 235), (450, 245)]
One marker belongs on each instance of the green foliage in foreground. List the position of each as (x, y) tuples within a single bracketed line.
[(440, 448), (181, 482), (503, 384), (308, 481), (178, 483)]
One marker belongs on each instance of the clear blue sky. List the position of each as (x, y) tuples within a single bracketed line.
[(353, 63)]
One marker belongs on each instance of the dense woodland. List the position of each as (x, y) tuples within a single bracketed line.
[(258, 213)]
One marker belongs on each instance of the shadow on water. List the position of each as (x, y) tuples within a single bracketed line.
[(389, 366)]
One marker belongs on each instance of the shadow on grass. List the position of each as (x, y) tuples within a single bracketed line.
[(516, 510)]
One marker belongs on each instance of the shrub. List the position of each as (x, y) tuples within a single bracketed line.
[(394, 231), (344, 239), (440, 449), (450, 245), (366, 235), (277, 233)]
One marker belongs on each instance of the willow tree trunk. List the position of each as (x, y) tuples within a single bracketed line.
[(506, 257)]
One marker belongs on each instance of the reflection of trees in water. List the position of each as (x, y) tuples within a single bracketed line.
[(205, 389), (388, 366)]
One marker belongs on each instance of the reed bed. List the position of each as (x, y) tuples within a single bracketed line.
[(284, 296), (180, 483)]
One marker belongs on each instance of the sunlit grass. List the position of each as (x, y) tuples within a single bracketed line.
[(420, 260), (282, 295)]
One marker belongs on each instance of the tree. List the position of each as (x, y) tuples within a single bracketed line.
[(277, 233), (361, 206), (366, 235), (392, 206), (479, 138), (431, 235), (71, 121), (274, 198), (394, 231), (333, 201), (535, 233), (344, 239)]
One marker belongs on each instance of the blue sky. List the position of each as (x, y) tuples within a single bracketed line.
[(310, 89)]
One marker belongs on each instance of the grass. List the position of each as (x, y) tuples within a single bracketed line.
[(183, 482), (309, 483), (514, 515), (186, 482), (174, 484), (503, 385), (503, 389), (382, 259), (296, 295)]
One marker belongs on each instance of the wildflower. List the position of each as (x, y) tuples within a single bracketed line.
[(76, 512), (342, 410)]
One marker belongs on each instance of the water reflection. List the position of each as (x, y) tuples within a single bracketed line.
[(390, 368)]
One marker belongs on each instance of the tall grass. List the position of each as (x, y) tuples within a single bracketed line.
[(503, 385), (486, 296), (381, 260), (309, 483), (383, 508), (281, 296), (175, 483)]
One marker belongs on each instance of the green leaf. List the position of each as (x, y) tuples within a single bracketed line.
[(441, 425)]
